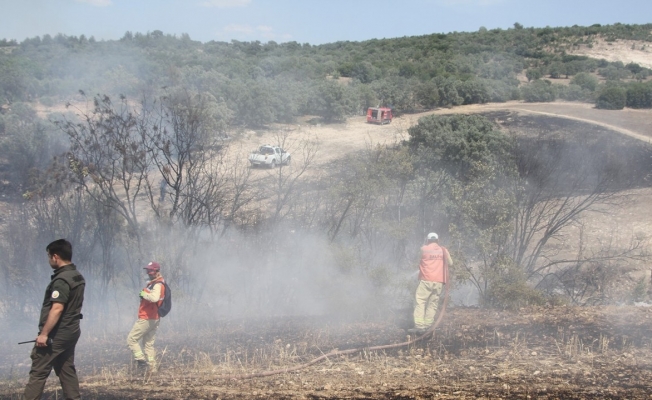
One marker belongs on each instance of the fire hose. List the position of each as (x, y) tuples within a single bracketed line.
[(336, 352)]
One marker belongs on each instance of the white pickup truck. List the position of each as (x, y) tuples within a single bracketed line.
[(269, 156)]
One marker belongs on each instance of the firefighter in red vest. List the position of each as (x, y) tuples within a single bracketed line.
[(151, 297), (433, 274)]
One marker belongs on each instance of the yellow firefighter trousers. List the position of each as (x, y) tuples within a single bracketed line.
[(145, 330), (427, 301)]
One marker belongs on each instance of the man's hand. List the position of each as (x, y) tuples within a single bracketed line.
[(53, 318), (42, 341)]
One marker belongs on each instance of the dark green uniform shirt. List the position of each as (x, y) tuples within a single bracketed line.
[(67, 287)]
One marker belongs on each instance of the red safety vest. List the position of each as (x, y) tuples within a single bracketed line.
[(432, 265), (147, 309)]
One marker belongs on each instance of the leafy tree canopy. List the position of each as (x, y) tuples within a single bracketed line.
[(262, 83), (458, 143)]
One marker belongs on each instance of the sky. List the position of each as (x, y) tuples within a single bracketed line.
[(303, 21)]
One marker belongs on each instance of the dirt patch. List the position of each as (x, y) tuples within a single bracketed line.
[(627, 51), (335, 140)]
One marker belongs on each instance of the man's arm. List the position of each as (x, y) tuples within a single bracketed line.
[(154, 295), (449, 260), (53, 317)]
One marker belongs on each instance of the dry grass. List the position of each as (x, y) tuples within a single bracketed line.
[(546, 352)]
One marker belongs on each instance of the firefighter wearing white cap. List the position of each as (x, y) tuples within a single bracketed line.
[(433, 274), (151, 297)]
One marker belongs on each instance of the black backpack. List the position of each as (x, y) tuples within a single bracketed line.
[(166, 305)]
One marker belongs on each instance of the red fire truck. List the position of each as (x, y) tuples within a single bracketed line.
[(379, 115)]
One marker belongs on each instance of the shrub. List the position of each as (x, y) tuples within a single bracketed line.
[(639, 95), (499, 91), (633, 67), (539, 90), (639, 293), (511, 291), (612, 98), (585, 81), (533, 74), (614, 73), (47, 101), (556, 70), (473, 92), (574, 93)]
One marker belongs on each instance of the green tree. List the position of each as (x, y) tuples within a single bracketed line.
[(363, 71), (252, 103), (574, 92), (332, 101), (448, 94), (539, 90), (634, 68), (532, 74), (612, 98), (459, 142), (585, 81), (613, 73), (13, 79), (396, 92), (556, 70), (473, 92), (639, 95), (427, 95), (26, 144), (500, 91)]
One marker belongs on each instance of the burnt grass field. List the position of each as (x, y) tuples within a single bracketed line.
[(552, 352), (546, 353)]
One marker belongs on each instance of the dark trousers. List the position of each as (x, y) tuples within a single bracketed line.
[(60, 355)]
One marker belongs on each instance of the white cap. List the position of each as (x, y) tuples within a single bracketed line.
[(433, 236)]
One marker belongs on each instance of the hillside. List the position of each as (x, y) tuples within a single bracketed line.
[(266, 83), (625, 51), (273, 268)]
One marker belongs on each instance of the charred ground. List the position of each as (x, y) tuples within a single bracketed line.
[(546, 353)]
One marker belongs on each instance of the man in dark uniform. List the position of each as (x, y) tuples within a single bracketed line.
[(58, 325)]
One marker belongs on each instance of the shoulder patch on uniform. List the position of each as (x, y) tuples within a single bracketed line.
[(55, 294), (78, 278)]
